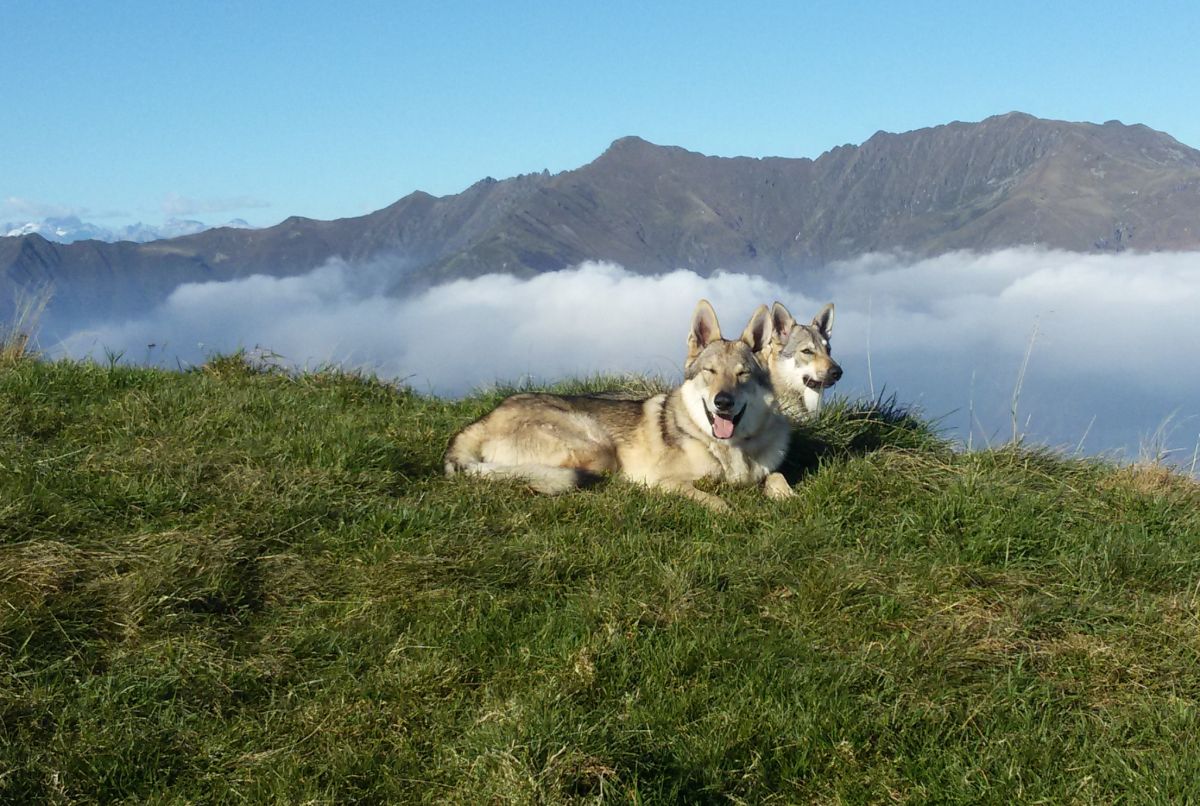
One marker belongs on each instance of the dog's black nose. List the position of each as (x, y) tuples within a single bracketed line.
[(835, 372), (723, 401)]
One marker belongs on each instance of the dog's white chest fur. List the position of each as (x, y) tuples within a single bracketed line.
[(751, 461), (736, 465)]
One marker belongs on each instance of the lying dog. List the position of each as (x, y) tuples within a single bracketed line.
[(723, 422)]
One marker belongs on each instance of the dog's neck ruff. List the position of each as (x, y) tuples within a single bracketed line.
[(800, 404)]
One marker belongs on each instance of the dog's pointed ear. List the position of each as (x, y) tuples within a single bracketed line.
[(705, 329), (758, 331), (781, 323), (823, 321)]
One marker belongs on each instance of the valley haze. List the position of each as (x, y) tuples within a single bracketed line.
[(951, 252)]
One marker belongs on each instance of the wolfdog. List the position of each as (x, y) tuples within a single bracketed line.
[(797, 358), (722, 422)]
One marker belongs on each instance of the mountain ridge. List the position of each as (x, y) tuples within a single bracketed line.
[(1009, 180)]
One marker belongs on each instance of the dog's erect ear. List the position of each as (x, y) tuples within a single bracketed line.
[(705, 329), (824, 321), (781, 323), (758, 331)]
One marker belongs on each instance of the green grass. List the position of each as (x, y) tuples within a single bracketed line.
[(232, 586)]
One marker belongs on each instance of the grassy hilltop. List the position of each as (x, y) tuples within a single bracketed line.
[(229, 585)]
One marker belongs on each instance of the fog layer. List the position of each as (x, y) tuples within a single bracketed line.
[(1107, 341)]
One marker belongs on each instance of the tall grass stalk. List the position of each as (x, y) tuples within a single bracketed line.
[(28, 309), (1017, 436)]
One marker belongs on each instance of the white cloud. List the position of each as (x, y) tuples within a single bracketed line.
[(1102, 313), (448, 339), (17, 209), (1110, 337), (1115, 340)]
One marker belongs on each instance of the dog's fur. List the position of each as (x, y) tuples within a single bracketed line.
[(798, 360), (722, 422)]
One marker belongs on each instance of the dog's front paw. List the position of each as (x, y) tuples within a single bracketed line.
[(777, 487), (716, 504)]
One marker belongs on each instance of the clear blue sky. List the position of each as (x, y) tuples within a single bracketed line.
[(129, 111)]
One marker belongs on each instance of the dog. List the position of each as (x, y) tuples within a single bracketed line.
[(798, 360), (722, 422)]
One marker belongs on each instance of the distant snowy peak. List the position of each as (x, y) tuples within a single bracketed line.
[(64, 230), (69, 229)]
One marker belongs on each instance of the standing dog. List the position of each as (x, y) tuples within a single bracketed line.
[(798, 360), (722, 422)]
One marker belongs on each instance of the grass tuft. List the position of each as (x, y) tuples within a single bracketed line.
[(26, 314)]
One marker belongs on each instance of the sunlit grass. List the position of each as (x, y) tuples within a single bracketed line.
[(240, 584)]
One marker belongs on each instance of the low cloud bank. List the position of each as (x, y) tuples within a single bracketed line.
[(447, 340), (1110, 338)]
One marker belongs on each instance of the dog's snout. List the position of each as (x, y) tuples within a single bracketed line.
[(723, 401), (835, 373)]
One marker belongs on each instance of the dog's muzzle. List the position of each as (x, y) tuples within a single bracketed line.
[(829, 380), (723, 425)]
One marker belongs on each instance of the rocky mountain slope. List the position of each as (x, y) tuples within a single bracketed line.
[(1006, 181)]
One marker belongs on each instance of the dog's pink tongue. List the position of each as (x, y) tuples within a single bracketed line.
[(722, 427)]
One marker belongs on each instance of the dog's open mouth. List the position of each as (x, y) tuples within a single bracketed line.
[(722, 425), (816, 385)]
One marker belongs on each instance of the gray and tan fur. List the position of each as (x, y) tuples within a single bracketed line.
[(798, 359), (722, 422)]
